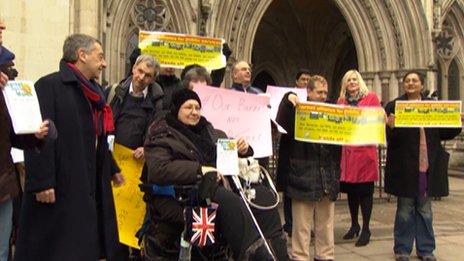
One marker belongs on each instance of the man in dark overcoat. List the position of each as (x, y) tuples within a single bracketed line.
[(68, 209)]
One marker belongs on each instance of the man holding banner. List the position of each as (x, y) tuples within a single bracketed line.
[(311, 180)]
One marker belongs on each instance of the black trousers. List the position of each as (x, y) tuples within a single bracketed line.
[(269, 221), (234, 228)]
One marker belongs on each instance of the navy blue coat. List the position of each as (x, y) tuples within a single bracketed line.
[(305, 171), (81, 224)]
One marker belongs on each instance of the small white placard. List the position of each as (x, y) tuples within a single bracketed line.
[(23, 106), (227, 157)]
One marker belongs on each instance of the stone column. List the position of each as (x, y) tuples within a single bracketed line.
[(444, 82), (377, 86), (369, 82), (87, 17), (203, 13), (368, 78), (394, 86), (431, 81), (384, 78)]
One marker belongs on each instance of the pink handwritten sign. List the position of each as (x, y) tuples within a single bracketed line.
[(240, 115), (277, 93)]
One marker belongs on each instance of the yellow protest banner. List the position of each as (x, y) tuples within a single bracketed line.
[(179, 50), (130, 208), (341, 125), (430, 114)]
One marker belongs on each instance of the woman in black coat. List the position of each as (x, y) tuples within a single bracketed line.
[(416, 170), (180, 150)]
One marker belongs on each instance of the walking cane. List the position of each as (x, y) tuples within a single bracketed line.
[(238, 185)]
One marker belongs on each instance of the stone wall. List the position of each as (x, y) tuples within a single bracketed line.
[(35, 33)]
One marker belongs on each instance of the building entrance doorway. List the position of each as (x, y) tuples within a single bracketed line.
[(295, 34)]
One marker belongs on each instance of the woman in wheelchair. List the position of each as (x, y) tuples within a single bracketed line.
[(180, 153)]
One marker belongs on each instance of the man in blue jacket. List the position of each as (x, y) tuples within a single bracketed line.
[(241, 76)]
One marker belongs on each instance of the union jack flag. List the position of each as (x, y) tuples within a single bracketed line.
[(203, 226)]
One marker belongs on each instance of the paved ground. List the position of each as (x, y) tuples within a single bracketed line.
[(448, 225)]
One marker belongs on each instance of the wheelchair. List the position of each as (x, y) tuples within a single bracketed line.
[(161, 233), (162, 237)]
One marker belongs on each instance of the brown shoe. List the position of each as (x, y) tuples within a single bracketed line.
[(401, 257), (430, 257)]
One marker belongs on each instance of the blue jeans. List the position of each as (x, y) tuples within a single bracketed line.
[(413, 221), (6, 223)]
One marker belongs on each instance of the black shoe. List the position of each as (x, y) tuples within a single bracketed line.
[(354, 231), (288, 229), (364, 238)]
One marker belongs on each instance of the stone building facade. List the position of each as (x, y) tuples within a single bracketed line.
[(381, 38)]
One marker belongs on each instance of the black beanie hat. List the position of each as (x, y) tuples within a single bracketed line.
[(180, 97)]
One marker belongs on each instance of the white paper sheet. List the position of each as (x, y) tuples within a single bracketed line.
[(227, 157), (23, 106)]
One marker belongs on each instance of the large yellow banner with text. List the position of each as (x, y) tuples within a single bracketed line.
[(341, 125), (430, 114), (179, 50), (130, 208)]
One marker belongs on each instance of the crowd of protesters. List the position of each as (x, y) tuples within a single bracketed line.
[(67, 209)]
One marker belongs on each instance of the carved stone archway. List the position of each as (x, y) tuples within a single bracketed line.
[(388, 35), (453, 21), (304, 34), (125, 17)]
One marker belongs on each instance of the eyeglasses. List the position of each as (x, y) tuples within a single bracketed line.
[(191, 108)]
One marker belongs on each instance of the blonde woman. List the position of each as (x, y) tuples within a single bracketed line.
[(359, 164)]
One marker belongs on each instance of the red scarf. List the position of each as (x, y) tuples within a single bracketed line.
[(102, 114)]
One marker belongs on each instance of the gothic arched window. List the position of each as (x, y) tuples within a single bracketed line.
[(439, 79), (453, 81), (262, 80), (132, 44)]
